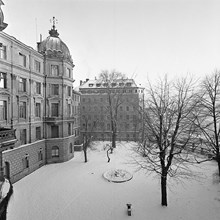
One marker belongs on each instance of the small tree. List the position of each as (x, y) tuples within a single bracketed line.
[(208, 115), (169, 128), (88, 127)]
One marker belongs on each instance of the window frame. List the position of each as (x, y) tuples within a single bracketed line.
[(3, 51), (3, 76)]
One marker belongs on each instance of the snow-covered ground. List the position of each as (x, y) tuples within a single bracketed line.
[(77, 190)]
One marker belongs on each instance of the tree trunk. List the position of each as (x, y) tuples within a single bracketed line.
[(218, 161), (85, 155), (164, 190), (113, 140), (108, 155)]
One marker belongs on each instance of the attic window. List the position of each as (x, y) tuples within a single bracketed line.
[(121, 84), (114, 84), (98, 84), (128, 84), (105, 84), (90, 85)]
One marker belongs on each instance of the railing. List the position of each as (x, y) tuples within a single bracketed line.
[(7, 135)]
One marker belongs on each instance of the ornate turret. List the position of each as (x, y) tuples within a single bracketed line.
[(2, 24), (53, 46)]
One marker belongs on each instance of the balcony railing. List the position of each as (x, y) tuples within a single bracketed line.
[(7, 135)]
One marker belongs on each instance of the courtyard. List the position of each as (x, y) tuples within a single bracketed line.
[(77, 190)]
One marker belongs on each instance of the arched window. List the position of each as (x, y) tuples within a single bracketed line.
[(71, 148), (40, 155), (25, 161), (55, 151)]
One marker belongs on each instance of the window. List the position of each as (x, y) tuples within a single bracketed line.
[(22, 60), (54, 109), (37, 110), (25, 161), (22, 110), (38, 88), (128, 84), (22, 84), (69, 128), (127, 108), (68, 110), (105, 84), (98, 84), (3, 51), (121, 108), (90, 85), (23, 136), (114, 84), (127, 126), (71, 148), (3, 110), (121, 84), (3, 80), (54, 131), (69, 90), (54, 89), (38, 133), (69, 72), (108, 126), (55, 70), (55, 151), (37, 66), (40, 155), (127, 117)]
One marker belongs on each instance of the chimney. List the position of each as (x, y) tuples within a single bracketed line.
[(87, 80), (80, 82)]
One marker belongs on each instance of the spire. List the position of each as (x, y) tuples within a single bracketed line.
[(53, 32), (2, 24)]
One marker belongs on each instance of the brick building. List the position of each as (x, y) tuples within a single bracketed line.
[(38, 106), (95, 118)]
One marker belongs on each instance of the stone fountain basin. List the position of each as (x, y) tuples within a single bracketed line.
[(117, 175)]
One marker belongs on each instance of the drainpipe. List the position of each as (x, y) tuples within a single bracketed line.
[(30, 97), (63, 98), (12, 86)]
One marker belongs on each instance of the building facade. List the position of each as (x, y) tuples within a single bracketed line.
[(95, 117), (37, 104)]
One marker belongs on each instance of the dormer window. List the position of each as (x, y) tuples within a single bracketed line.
[(121, 84), (90, 85), (105, 84), (114, 84), (128, 84), (98, 84)]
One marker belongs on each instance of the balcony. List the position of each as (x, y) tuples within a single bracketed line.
[(7, 137)]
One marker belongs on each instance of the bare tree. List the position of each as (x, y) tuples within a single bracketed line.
[(169, 129), (208, 115), (88, 126), (114, 96)]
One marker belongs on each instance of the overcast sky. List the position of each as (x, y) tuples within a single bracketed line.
[(141, 38)]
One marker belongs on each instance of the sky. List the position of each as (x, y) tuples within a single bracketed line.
[(143, 39)]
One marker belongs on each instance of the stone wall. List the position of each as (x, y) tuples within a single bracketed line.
[(15, 158)]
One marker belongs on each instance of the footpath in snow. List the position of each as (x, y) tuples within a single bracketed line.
[(77, 190)]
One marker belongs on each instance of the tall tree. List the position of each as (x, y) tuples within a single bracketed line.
[(169, 129), (208, 115), (114, 95)]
